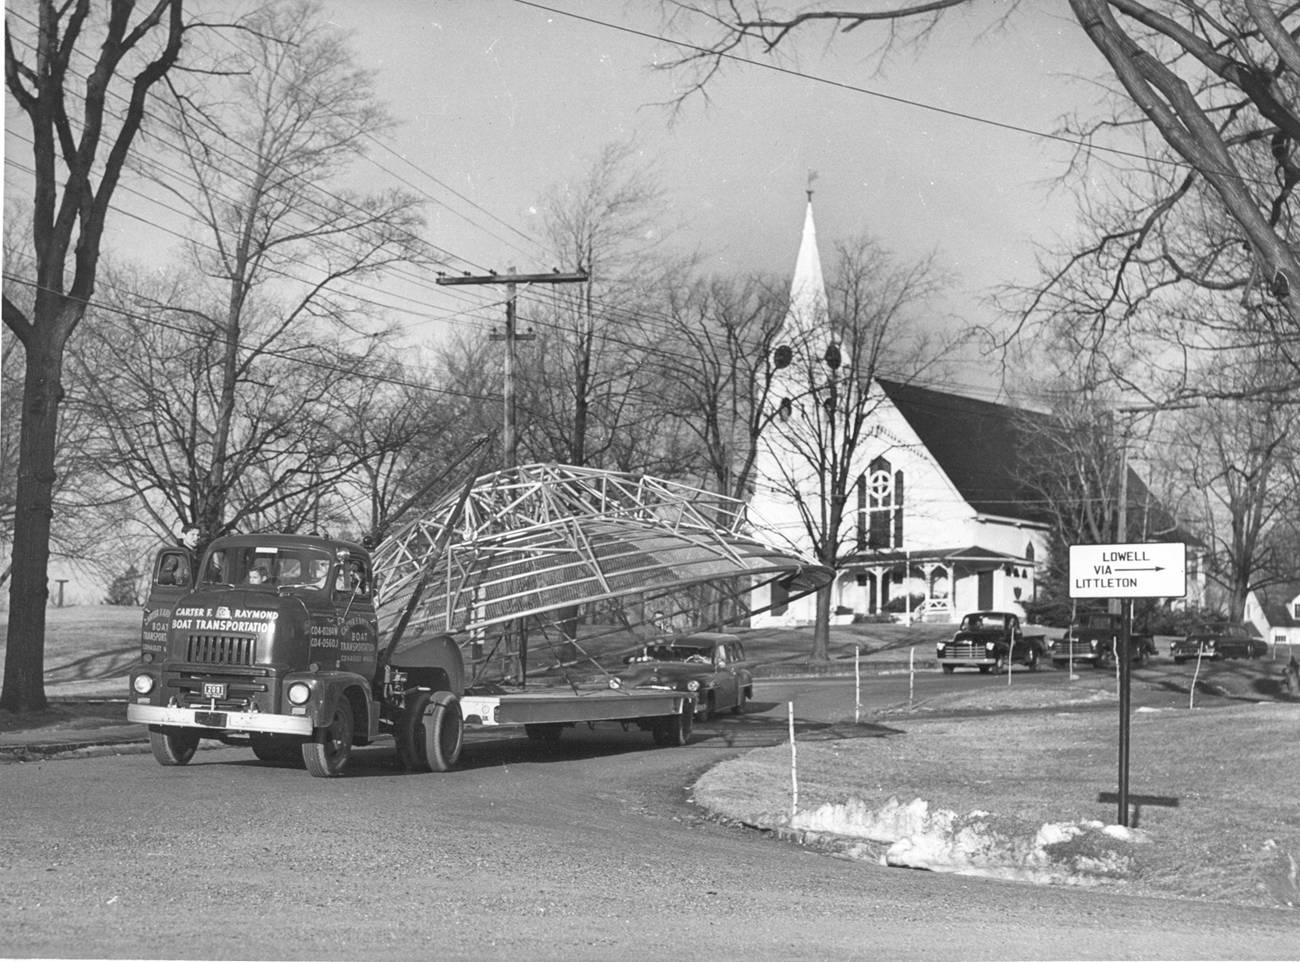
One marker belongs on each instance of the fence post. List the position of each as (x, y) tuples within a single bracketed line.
[(794, 767)]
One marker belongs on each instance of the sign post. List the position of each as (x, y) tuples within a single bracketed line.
[(1125, 572)]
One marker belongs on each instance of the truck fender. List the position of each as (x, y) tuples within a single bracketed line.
[(337, 685), (435, 663)]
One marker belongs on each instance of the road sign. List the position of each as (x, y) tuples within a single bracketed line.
[(1152, 570)]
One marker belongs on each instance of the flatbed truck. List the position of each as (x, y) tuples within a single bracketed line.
[(273, 641)]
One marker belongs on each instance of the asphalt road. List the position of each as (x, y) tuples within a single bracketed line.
[(591, 850)]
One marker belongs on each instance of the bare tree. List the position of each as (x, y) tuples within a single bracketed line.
[(815, 457), (1239, 460), (582, 383), (268, 338), (1216, 82), (80, 142), (717, 366)]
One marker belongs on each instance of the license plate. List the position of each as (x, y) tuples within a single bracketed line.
[(214, 689), (210, 719)]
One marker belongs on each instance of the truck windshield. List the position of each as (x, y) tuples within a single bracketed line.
[(268, 564), (983, 622)]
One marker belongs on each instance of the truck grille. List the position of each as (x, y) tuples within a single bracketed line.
[(221, 649), (965, 649)]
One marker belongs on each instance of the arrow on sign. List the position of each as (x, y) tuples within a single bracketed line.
[(1156, 568)]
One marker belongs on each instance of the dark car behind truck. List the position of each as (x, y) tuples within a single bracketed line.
[(988, 640), (1095, 638)]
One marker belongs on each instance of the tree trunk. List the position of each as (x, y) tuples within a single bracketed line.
[(24, 675), (822, 627)]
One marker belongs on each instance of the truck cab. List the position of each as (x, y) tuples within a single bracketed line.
[(270, 638)]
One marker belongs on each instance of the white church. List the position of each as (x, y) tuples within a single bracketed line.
[(937, 512)]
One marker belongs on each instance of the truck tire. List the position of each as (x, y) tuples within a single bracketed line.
[(675, 730), (1144, 658), (949, 669), (1031, 659), (430, 732), (444, 732), (329, 749), (276, 749), (173, 746)]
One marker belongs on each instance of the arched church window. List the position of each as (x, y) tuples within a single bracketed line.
[(884, 506)]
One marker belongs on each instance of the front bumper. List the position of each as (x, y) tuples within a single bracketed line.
[(231, 721), (967, 660)]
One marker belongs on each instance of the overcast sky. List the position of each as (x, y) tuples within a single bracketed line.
[(496, 101), (499, 100)]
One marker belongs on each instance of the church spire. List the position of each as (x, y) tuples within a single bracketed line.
[(807, 313)]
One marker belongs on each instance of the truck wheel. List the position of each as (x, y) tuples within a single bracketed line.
[(1144, 658), (276, 749), (949, 669), (173, 746), (444, 732), (430, 732), (675, 729), (1031, 660), (330, 747), (741, 697)]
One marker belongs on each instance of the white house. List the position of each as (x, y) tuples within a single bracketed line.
[(1275, 613)]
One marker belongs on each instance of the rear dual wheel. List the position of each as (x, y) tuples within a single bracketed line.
[(430, 732)]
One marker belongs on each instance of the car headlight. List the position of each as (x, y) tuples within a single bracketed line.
[(693, 685), (616, 683), (142, 684), (299, 693)]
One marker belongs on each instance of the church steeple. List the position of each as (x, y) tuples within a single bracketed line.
[(807, 312)]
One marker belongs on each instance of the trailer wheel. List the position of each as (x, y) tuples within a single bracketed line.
[(173, 746), (675, 729), (431, 732), (330, 747)]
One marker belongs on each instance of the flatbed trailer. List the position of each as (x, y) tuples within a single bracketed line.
[(544, 713)]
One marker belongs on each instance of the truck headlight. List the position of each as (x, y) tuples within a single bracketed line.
[(299, 693), (615, 683), (693, 685), (989, 646), (142, 684)]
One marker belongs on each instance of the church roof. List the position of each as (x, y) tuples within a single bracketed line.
[(978, 444)]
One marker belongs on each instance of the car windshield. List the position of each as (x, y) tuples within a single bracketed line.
[(983, 622), (675, 653)]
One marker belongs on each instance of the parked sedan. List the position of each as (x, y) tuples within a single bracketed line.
[(707, 664), (1223, 639)]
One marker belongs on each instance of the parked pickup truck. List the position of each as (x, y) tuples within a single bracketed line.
[(987, 640), (1094, 637)]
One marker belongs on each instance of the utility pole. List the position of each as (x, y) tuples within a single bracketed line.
[(509, 436)]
